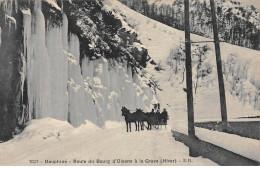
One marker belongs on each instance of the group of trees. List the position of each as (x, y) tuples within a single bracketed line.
[(238, 23), (102, 33), (200, 64), (241, 81)]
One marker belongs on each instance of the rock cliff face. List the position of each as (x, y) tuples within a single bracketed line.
[(70, 60)]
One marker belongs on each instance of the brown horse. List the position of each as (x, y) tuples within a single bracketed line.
[(129, 118), (139, 116), (149, 118)]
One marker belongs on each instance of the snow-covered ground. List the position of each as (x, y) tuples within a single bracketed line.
[(160, 40), (50, 139), (244, 146)]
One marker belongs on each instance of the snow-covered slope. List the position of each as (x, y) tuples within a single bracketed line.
[(238, 23), (163, 42)]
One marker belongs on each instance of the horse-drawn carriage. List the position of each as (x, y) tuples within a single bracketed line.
[(157, 120), (139, 117)]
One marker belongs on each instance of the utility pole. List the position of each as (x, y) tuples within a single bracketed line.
[(219, 67), (191, 129), (190, 108)]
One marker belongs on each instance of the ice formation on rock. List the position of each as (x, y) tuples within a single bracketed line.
[(62, 85)]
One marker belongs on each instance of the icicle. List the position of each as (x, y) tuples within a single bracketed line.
[(84, 68), (0, 36), (23, 75), (9, 5), (27, 31), (65, 32), (16, 5), (61, 6), (40, 67), (10, 20), (27, 56), (81, 105), (58, 73), (8, 8), (38, 5), (74, 46)]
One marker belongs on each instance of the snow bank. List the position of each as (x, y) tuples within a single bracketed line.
[(46, 128), (244, 146), (49, 139), (114, 125), (240, 145), (87, 127)]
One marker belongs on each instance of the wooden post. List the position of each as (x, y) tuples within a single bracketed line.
[(219, 67), (191, 130)]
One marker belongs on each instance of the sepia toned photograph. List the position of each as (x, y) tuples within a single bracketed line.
[(129, 83)]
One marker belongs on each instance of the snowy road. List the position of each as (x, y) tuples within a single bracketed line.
[(88, 142), (52, 142)]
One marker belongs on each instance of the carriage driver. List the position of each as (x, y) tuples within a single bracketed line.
[(164, 111), (158, 112), (152, 112)]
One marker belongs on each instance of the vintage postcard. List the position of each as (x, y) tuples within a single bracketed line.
[(129, 82)]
